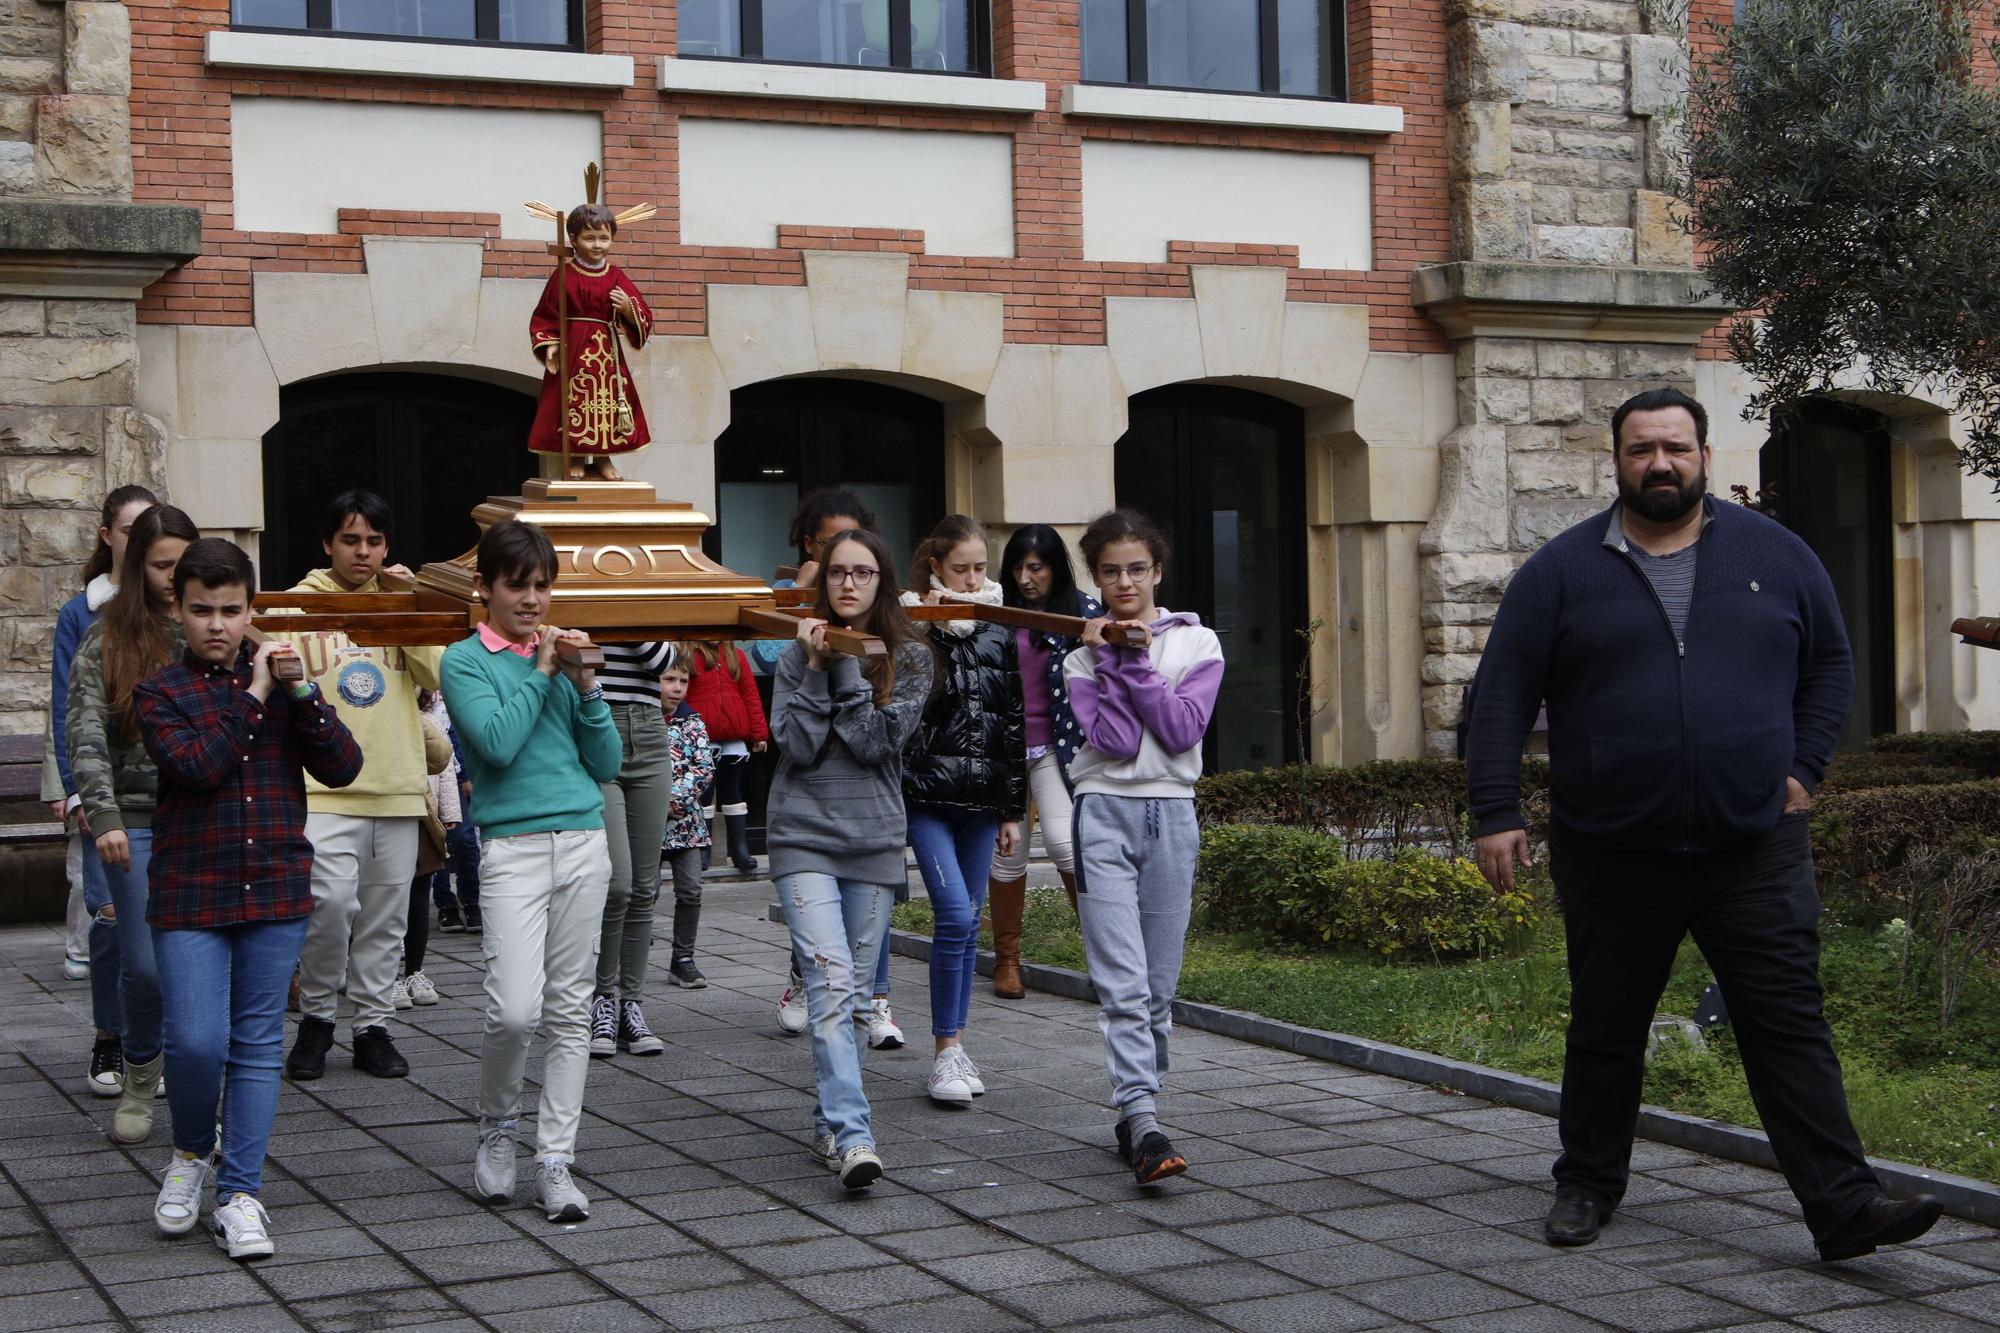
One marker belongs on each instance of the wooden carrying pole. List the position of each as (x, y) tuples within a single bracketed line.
[(779, 625), (285, 667), (1017, 617)]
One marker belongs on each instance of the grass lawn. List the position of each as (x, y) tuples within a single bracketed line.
[(1917, 1095)]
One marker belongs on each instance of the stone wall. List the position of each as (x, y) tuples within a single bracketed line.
[(74, 256), (1573, 290)]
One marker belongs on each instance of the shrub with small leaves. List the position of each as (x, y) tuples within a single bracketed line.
[(1298, 886)]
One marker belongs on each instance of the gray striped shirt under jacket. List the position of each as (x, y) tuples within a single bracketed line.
[(631, 672)]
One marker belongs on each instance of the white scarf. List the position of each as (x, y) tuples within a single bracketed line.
[(989, 595), (100, 591)]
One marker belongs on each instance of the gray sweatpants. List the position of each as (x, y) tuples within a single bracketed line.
[(1135, 864)]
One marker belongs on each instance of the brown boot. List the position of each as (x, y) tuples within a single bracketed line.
[(1006, 902)]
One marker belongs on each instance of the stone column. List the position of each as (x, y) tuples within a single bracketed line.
[(75, 255), (1573, 289)]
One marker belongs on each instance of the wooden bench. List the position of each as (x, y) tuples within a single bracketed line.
[(21, 780)]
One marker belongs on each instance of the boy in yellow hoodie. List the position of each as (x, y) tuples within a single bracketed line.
[(364, 836)]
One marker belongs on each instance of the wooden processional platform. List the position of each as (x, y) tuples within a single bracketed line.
[(629, 568)]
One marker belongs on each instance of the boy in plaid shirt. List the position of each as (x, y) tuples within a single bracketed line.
[(230, 884)]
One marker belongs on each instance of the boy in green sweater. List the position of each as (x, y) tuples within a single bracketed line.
[(538, 739)]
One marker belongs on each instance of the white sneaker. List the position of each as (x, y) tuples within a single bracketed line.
[(493, 1164), (948, 1085), (76, 969), (556, 1194), (792, 1016), (603, 1027), (825, 1153), (399, 994), (179, 1206), (883, 1034), (243, 1228), (860, 1167), (421, 989), (970, 1071)]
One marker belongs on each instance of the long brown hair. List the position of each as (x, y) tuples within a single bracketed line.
[(135, 643), (951, 531), (114, 504), (708, 656), (886, 620)]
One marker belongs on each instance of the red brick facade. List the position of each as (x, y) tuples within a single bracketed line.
[(181, 153)]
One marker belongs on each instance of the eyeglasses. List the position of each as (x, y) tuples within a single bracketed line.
[(860, 576), (1110, 574)]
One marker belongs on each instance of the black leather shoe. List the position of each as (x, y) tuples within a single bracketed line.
[(1881, 1221), (375, 1054), (1575, 1219), (308, 1058)]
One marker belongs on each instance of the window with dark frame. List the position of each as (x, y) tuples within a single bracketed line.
[(1280, 48), (925, 36), (556, 24)]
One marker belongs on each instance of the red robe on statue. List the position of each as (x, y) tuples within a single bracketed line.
[(600, 383)]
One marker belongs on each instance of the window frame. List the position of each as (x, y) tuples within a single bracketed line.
[(485, 22), (1332, 55), (979, 43)]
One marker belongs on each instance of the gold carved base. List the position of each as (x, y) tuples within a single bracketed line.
[(629, 566)]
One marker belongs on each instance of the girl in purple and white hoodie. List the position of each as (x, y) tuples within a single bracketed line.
[(1143, 709)]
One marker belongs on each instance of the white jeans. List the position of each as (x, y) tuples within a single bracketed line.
[(542, 896), (1052, 812), (362, 868)]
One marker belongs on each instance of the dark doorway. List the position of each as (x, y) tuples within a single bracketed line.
[(1827, 467), (431, 445), (1223, 470), (787, 437)]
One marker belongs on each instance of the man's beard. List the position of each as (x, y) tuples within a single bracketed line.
[(1663, 505)]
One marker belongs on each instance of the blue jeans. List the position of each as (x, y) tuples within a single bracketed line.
[(461, 842), (954, 854), (837, 927), (224, 992), (138, 975), (106, 1006)]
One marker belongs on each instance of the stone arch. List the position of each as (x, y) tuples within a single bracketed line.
[(1373, 421), (1945, 540), (420, 305)]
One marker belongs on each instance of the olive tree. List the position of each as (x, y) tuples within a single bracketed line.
[(1843, 180)]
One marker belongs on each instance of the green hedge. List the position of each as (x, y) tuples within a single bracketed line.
[(1978, 751), (1299, 886), (1903, 791), (1383, 806), (1861, 838)]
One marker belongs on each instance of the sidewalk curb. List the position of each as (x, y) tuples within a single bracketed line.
[(1961, 1195)]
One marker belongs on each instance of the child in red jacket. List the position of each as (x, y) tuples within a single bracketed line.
[(724, 692)]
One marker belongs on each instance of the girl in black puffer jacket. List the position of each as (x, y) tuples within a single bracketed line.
[(964, 783)]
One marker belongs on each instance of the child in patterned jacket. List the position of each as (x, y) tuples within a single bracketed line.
[(693, 757)]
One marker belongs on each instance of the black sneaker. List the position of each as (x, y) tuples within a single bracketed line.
[(449, 917), (473, 925), (686, 975), (633, 1034), (107, 1069), (1154, 1160), (375, 1054), (308, 1058)]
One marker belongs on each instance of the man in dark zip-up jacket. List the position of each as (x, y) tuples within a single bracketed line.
[(1697, 675)]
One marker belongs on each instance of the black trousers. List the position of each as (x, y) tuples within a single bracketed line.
[(1754, 912)]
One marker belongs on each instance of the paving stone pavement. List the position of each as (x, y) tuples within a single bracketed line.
[(1321, 1198)]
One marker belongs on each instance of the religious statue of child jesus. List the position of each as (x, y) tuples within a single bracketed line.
[(600, 414)]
